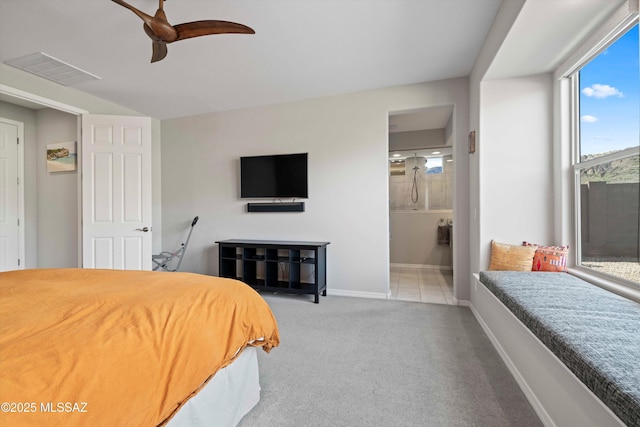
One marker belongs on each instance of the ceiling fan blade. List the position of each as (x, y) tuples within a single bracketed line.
[(204, 28), (159, 51), (146, 18), (162, 32)]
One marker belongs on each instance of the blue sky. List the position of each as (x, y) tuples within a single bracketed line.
[(610, 98)]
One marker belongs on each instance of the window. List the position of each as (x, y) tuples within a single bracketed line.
[(433, 165), (606, 160)]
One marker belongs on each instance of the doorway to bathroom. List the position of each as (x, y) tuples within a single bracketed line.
[(421, 171)]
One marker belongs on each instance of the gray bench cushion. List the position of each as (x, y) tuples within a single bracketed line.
[(595, 333)]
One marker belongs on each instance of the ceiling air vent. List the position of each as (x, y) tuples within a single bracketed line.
[(52, 69)]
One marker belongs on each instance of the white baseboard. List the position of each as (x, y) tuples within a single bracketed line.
[(461, 302), (555, 393), (530, 395), (358, 294), (432, 267)]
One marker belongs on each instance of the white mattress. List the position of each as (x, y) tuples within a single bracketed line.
[(226, 398)]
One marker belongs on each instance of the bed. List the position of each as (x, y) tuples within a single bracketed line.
[(108, 347)]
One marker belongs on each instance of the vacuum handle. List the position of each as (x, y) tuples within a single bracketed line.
[(194, 221)]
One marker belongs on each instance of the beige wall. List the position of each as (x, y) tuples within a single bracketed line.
[(57, 194), (51, 199), (35, 211), (416, 139), (414, 238), (413, 227), (28, 118), (347, 141)]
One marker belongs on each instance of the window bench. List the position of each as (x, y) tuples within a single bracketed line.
[(574, 348)]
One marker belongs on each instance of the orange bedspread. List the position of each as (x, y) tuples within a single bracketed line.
[(110, 348)]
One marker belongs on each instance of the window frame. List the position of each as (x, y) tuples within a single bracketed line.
[(621, 22)]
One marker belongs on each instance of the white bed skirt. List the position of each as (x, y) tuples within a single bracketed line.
[(228, 397)]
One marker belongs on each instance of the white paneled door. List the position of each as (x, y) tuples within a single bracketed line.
[(10, 197), (116, 192)]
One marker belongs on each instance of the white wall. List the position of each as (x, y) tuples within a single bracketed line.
[(347, 141), (514, 118), (502, 24), (516, 193)]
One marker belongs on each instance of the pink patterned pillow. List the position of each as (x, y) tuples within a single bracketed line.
[(549, 258)]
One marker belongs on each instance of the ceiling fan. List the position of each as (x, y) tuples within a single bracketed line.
[(161, 32)]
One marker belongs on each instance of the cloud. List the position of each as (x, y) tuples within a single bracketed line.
[(602, 91), (588, 119)]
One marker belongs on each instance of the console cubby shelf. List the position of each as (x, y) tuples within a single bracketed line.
[(276, 265)]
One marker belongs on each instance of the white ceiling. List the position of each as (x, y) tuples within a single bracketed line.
[(302, 49), (545, 32), (423, 119)]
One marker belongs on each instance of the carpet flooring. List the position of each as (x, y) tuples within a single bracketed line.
[(365, 362)]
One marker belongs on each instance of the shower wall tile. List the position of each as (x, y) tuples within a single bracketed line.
[(401, 187), (435, 192)]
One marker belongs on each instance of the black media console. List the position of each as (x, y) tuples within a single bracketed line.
[(275, 265)]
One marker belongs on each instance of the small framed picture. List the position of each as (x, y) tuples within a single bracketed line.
[(61, 157), (472, 142)]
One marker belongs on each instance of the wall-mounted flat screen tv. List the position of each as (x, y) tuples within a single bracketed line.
[(276, 176)]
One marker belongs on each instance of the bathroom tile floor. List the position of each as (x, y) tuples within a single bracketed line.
[(422, 284)]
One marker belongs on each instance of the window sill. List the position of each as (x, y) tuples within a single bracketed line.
[(626, 289)]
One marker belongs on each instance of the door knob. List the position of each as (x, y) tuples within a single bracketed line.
[(144, 229)]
